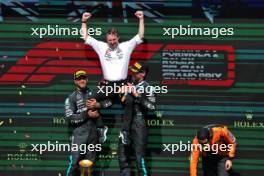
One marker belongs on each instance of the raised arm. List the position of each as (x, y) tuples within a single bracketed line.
[(85, 18), (141, 29)]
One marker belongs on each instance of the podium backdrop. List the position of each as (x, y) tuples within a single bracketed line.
[(210, 80)]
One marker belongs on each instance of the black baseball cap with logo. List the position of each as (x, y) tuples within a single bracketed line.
[(139, 67), (80, 74)]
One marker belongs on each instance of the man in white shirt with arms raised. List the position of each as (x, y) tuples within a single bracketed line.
[(114, 58)]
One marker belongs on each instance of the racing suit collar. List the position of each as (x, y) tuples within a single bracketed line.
[(82, 90)]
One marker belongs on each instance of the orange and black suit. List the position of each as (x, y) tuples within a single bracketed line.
[(213, 163)]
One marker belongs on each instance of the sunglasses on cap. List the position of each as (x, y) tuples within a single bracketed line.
[(82, 77)]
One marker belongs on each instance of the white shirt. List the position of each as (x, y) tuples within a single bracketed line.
[(114, 63)]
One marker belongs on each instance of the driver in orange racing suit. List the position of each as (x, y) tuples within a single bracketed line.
[(215, 161)]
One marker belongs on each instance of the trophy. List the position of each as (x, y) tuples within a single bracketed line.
[(86, 167)]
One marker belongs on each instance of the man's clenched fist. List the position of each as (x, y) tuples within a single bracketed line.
[(139, 14), (86, 16)]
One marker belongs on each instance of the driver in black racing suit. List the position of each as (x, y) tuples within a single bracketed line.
[(143, 102), (83, 119)]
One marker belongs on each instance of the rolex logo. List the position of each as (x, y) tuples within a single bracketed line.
[(249, 123), (159, 114), (160, 121), (22, 147), (249, 115)]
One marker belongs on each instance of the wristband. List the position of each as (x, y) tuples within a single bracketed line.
[(84, 22)]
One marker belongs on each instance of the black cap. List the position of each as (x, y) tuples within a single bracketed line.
[(80, 74), (203, 133), (139, 67)]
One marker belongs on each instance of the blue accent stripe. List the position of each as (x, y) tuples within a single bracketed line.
[(69, 167), (143, 167)]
